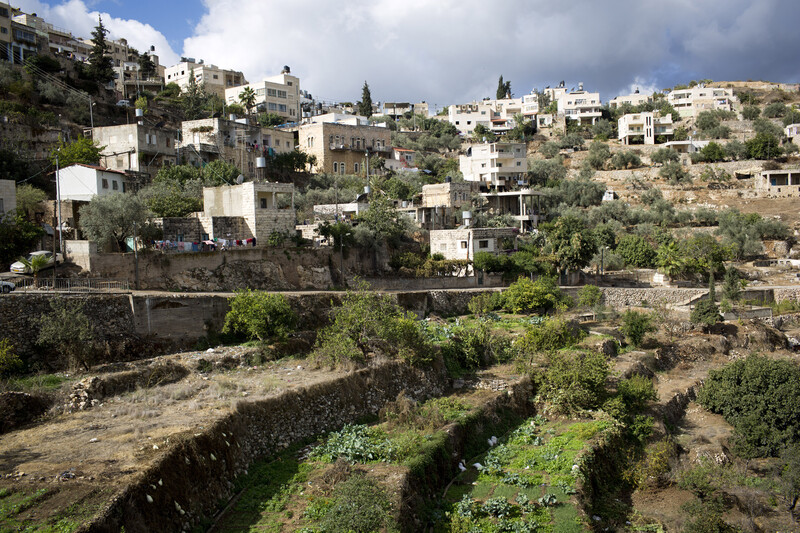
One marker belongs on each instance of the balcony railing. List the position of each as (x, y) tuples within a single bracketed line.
[(44, 283)]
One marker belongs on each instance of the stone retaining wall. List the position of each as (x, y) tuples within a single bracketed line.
[(197, 472)]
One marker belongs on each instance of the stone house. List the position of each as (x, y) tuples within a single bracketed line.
[(237, 213), (343, 144), (691, 102), (237, 141), (778, 183), (439, 205), (136, 147), (216, 79)]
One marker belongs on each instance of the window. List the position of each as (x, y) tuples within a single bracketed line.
[(3, 30), (123, 186), (2, 210), (463, 245), (289, 83), (443, 247), (263, 203), (3, 12), (281, 94), (120, 162), (105, 183), (483, 244), (114, 185), (216, 76), (272, 107), (335, 167), (341, 168), (355, 168), (272, 92), (282, 107), (519, 163)]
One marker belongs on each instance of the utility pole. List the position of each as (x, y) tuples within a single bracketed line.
[(135, 260)]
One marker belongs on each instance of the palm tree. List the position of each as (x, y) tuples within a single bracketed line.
[(248, 98), (670, 260), (35, 263)]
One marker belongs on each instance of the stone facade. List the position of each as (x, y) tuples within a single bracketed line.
[(778, 183), (341, 148), (464, 243), (238, 212), (136, 147)]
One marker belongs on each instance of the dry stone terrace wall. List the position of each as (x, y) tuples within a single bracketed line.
[(198, 471)]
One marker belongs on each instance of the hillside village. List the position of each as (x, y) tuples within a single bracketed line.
[(254, 310)]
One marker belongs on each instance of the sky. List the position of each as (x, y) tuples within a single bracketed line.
[(453, 51)]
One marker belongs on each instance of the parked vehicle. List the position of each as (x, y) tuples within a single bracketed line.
[(123, 103), (20, 268), (6, 287)]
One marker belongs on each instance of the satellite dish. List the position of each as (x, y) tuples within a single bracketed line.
[(239, 179)]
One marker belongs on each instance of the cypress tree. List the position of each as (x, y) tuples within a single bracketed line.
[(101, 68)]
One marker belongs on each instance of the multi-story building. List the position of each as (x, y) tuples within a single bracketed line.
[(27, 40), (578, 105), (495, 115), (494, 165), (691, 102), (216, 79), (279, 95), (793, 133), (5, 32), (237, 214), (343, 144), (136, 147), (651, 127), (236, 141), (463, 243), (634, 99)]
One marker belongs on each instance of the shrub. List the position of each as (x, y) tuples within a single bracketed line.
[(589, 296), (674, 173), (259, 315), (635, 325), (68, 330), (625, 160), (775, 110), (574, 382), (10, 363), (636, 391), (636, 251), (758, 397), (599, 153), (713, 152), (524, 295), (750, 112), (368, 322), (552, 334), (471, 346), (664, 155), (483, 303)]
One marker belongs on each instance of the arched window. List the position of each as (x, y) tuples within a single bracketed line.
[(335, 167), (355, 168)]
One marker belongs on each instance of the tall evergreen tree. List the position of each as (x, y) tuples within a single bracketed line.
[(101, 68), (146, 66), (503, 88), (194, 99), (365, 105)]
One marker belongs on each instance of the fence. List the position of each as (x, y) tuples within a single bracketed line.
[(72, 284)]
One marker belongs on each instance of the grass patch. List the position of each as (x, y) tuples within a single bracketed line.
[(46, 382)]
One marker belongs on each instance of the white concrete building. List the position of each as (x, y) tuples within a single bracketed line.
[(494, 165), (495, 115), (793, 133), (691, 102), (649, 126), (84, 182), (463, 243), (634, 99), (278, 94), (579, 105), (216, 79), (8, 197)]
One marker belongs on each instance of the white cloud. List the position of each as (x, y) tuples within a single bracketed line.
[(75, 16)]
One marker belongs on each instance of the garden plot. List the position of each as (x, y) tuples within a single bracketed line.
[(528, 481)]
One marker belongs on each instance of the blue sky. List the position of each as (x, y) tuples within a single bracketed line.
[(453, 51), (175, 19)]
